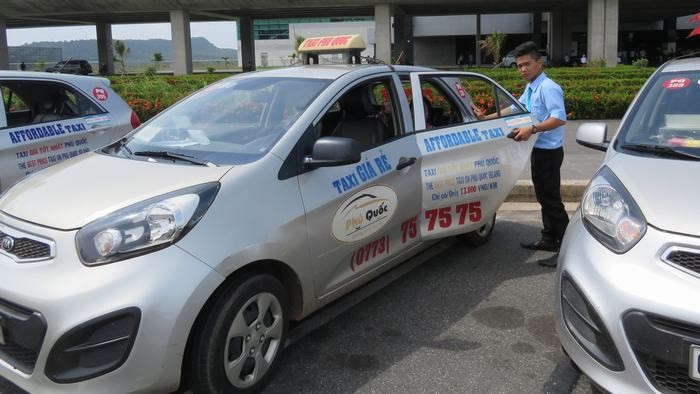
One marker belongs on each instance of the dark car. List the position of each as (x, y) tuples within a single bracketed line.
[(509, 59), (72, 66)]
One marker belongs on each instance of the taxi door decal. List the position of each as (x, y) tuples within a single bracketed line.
[(467, 171), (33, 147)]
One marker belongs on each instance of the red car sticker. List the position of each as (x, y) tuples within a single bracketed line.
[(99, 93), (676, 83), (460, 90)]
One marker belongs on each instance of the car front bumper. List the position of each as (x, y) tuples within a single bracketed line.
[(628, 321), (130, 318)]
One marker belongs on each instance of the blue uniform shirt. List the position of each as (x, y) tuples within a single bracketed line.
[(546, 99)]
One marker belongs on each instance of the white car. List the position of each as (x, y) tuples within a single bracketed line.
[(191, 243), (628, 279), (47, 118)]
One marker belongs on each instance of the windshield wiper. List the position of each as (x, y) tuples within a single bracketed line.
[(175, 156), (660, 150)]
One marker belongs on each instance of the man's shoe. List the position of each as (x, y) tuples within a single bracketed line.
[(542, 244), (549, 262)]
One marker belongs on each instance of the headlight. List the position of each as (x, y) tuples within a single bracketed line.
[(610, 214), (144, 227)]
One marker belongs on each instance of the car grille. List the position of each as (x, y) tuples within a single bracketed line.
[(23, 333), (670, 376), (684, 258), (20, 354), (24, 248), (661, 346)]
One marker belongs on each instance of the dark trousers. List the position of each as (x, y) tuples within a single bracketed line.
[(545, 165)]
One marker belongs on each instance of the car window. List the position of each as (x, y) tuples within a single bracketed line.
[(487, 97), (230, 122), (667, 113), (439, 107), (453, 99), (367, 113), (15, 108), (33, 102), (30, 102)]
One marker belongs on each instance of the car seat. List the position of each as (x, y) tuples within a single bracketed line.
[(360, 121), (46, 112)]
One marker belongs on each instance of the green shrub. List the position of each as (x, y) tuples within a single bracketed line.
[(150, 70), (597, 63), (210, 70), (640, 63), (148, 95), (589, 92)]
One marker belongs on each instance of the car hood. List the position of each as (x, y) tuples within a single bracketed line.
[(72, 194), (666, 190)]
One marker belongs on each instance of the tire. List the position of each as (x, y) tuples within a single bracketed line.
[(513, 65), (481, 236), (238, 345)]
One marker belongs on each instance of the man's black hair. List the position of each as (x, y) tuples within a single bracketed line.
[(527, 48)]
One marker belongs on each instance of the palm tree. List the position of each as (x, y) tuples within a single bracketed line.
[(493, 45), (157, 58), (120, 52), (297, 42)]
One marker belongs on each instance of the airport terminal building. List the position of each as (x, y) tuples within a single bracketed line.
[(435, 33), (440, 41)]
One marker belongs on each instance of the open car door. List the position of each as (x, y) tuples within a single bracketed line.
[(468, 165)]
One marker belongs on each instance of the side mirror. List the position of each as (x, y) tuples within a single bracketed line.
[(593, 135), (333, 151)]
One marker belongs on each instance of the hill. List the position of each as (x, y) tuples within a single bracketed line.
[(140, 51)]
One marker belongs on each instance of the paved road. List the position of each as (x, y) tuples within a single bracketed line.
[(580, 163)]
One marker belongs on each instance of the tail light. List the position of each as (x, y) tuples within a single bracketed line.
[(135, 121)]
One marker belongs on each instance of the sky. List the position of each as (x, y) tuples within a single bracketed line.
[(221, 34)]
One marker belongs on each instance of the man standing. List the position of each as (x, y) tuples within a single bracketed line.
[(545, 100)]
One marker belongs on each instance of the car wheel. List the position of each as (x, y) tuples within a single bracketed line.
[(513, 65), (481, 236), (239, 343)]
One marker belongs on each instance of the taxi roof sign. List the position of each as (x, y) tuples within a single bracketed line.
[(332, 43)]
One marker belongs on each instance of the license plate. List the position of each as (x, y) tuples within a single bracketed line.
[(694, 362), (2, 335)]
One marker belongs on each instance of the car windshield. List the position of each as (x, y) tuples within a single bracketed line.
[(666, 117), (234, 121)]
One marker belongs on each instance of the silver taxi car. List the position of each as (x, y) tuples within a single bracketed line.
[(255, 201), (628, 279), (46, 118)]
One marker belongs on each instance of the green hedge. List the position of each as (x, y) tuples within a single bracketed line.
[(589, 92)]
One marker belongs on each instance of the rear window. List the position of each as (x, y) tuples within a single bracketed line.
[(667, 113), (32, 102)]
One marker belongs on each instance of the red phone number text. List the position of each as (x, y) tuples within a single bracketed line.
[(444, 217), (369, 252)]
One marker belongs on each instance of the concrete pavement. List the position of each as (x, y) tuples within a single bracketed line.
[(579, 165)]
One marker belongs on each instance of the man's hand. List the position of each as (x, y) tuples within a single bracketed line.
[(523, 133)]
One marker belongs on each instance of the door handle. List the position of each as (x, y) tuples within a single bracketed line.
[(405, 162)]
